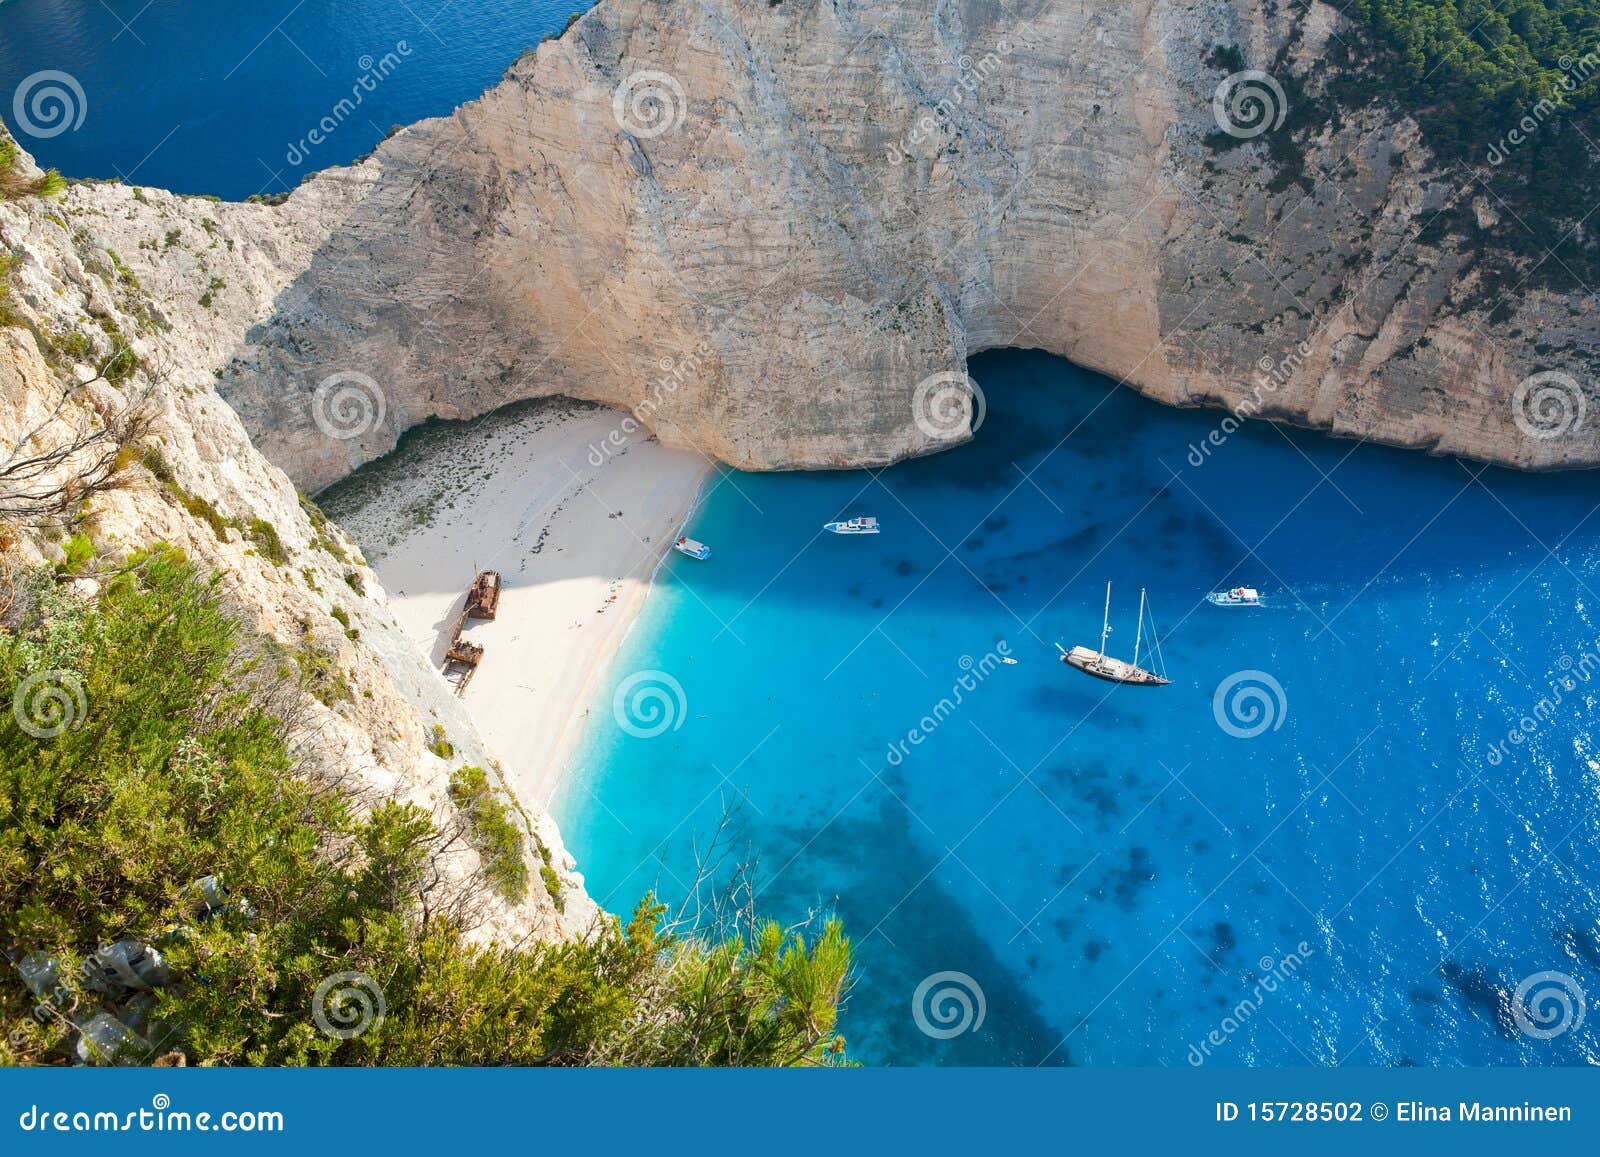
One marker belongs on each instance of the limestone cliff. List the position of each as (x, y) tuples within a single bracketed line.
[(194, 479), (767, 223)]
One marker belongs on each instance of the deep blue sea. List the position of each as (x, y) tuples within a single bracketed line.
[(1065, 871), (1119, 874), (221, 99)]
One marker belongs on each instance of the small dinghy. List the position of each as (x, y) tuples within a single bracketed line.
[(1103, 666), (693, 549), (1237, 597), (852, 526)]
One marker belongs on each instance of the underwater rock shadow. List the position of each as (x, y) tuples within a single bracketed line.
[(906, 929)]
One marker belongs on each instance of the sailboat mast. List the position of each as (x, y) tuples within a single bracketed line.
[(1139, 630), (1105, 623)]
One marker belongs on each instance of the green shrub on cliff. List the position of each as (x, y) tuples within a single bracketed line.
[(77, 552), (52, 184), (14, 184), (268, 544), (152, 749), (8, 314), (1507, 95), (493, 832)]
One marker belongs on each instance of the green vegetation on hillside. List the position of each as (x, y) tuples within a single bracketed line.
[(8, 314), (258, 530), (163, 803), (492, 830), (1507, 96), (1472, 66), (1509, 90), (13, 184)]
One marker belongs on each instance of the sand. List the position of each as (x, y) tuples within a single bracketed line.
[(574, 511)]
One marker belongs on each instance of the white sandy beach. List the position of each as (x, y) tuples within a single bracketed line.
[(577, 543)]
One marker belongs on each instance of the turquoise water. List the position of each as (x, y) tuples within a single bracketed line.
[(191, 96), (1113, 870)]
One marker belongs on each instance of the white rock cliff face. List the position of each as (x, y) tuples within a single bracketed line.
[(140, 262), (831, 200)]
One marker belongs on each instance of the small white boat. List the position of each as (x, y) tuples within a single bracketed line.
[(852, 526), (1009, 662), (692, 548), (1237, 597)]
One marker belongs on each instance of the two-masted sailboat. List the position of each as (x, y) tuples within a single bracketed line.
[(1103, 666)]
